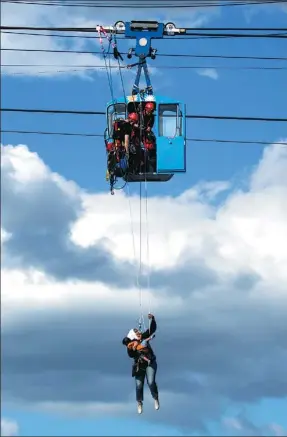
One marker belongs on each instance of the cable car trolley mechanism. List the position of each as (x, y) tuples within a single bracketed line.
[(145, 136)]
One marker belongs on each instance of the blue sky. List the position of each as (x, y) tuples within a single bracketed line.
[(260, 93)]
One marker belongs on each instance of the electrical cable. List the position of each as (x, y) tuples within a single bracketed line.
[(79, 134), (194, 116), (172, 55)]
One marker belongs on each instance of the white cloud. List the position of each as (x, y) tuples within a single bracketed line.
[(209, 72), (89, 409), (9, 428), (265, 176), (251, 12), (243, 234), (248, 226), (4, 236), (218, 284), (278, 430), (29, 15), (242, 426)]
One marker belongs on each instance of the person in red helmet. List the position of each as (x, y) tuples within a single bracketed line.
[(133, 117), (121, 133), (131, 129), (148, 116), (132, 141), (118, 146), (148, 137)]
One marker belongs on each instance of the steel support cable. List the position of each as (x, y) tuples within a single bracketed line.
[(172, 55), (82, 68), (147, 244), (188, 116), (138, 269), (146, 5), (201, 140), (141, 319), (200, 32), (190, 36)]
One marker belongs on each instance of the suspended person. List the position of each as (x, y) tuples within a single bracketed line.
[(141, 368)]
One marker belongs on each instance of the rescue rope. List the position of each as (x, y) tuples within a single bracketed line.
[(139, 268), (141, 321), (147, 233), (112, 42), (140, 251), (118, 57), (141, 318), (133, 235), (147, 245), (110, 73), (101, 30)]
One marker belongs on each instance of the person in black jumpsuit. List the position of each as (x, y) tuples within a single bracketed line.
[(142, 370), (149, 138), (132, 130), (148, 116), (126, 137)]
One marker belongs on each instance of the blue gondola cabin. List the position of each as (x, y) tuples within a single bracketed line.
[(169, 130)]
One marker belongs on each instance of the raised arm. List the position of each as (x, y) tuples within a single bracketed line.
[(152, 328)]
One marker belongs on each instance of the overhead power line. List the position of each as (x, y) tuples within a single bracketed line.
[(92, 29), (76, 134), (159, 67), (55, 35), (145, 5), (186, 37), (75, 112), (172, 55), (82, 134), (201, 34), (52, 111)]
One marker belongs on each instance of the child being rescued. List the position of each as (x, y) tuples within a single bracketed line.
[(140, 346)]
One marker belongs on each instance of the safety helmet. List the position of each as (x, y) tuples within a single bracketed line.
[(133, 116), (150, 106), (110, 145)]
